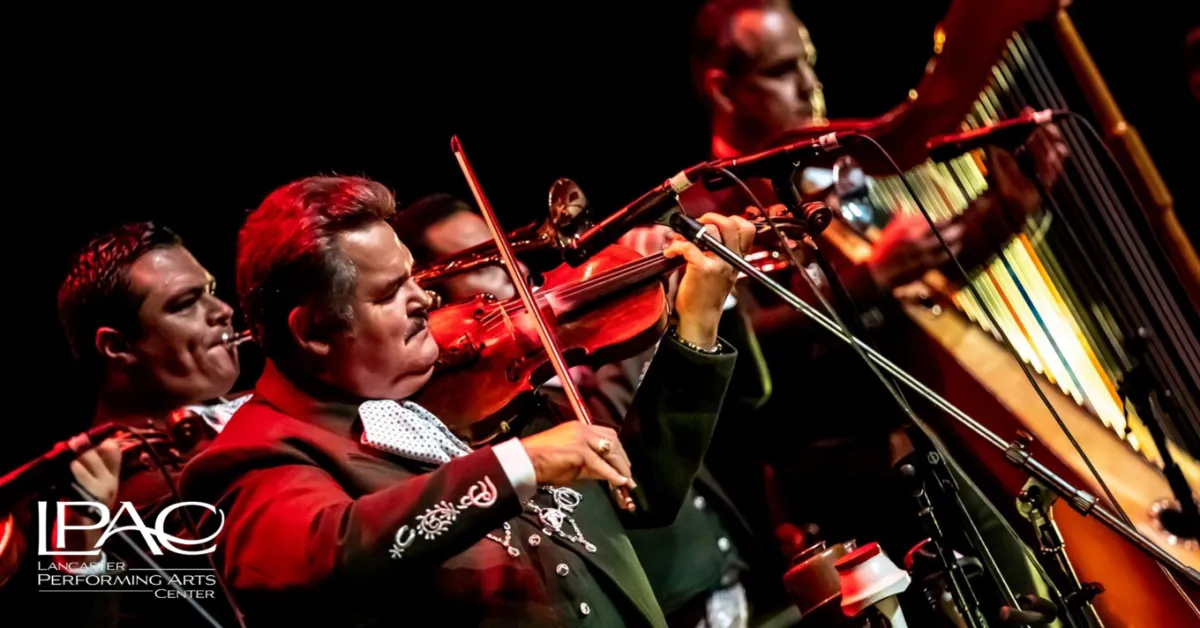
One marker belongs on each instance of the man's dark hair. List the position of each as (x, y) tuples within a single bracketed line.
[(97, 292), (412, 221), (712, 42), (288, 253)]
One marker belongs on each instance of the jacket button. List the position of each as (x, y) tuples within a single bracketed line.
[(723, 544), (698, 502), (585, 609), (534, 540), (562, 569)]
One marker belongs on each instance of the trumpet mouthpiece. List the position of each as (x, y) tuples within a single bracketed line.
[(233, 340)]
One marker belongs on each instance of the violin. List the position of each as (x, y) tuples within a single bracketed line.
[(612, 307), (608, 309), (170, 444)]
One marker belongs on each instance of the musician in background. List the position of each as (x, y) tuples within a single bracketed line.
[(753, 65), (438, 226), (142, 320), (347, 504)]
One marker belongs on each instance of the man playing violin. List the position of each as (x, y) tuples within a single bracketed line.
[(698, 565), (347, 504), (142, 320)]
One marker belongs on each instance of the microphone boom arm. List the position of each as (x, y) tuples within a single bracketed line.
[(1014, 452)]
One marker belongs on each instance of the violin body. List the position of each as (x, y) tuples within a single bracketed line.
[(491, 356)]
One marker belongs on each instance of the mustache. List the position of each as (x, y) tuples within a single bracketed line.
[(419, 322)]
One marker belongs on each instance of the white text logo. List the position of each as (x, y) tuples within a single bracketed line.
[(109, 524)]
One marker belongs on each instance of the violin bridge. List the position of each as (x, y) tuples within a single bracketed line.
[(508, 323)]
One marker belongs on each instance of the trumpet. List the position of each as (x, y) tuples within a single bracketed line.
[(234, 340), (478, 256), (570, 216)]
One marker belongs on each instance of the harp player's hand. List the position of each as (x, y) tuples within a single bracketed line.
[(1047, 152), (707, 280), (907, 249)]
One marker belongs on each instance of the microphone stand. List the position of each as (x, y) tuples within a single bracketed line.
[(925, 465), (960, 584), (1015, 451), (1034, 503), (1140, 388)]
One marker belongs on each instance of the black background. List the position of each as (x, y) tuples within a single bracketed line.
[(193, 119)]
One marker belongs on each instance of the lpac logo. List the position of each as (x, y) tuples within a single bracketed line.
[(109, 524)]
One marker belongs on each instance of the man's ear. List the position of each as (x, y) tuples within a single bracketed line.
[(716, 87), (113, 346), (306, 331)]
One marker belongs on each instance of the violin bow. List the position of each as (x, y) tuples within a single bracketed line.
[(545, 333)]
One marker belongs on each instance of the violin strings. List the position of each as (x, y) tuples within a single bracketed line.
[(572, 292), (653, 264), (563, 291), (609, 276)]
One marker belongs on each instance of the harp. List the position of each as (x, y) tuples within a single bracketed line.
[(1069, 292)]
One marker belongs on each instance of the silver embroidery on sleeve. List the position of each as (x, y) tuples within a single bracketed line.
[(482, 494), (442, 515), (404, 538), (436, 520)]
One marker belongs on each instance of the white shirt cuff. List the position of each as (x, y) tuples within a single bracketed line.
[(517, 467)]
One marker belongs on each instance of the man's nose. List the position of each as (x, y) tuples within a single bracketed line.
[(425, 298), (219, 312)]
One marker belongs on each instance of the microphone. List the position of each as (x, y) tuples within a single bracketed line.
[(648, 207), (764, 164), (30, 476), (645, 209), (1004, 133)]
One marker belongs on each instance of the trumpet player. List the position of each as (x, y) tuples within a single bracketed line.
[(142, 319)]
